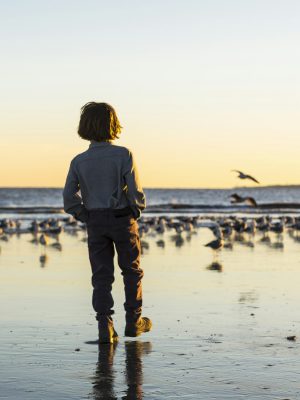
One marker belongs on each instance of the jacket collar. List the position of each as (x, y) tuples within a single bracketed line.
[(99, 144)]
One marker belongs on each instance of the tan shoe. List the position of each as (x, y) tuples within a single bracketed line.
[(106, 330), (142, 325)]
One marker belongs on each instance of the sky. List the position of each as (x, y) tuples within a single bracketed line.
[(200, 87)]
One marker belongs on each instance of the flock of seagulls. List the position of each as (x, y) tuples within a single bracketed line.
[(45, 233), (226, 231)]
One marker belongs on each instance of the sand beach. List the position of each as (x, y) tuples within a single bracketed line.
[(220, 322)]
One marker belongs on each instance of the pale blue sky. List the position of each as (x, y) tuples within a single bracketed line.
[(201, 87)]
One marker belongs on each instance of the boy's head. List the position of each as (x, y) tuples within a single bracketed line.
[(99, 122)]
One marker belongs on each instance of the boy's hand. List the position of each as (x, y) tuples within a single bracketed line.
[(82, 215)]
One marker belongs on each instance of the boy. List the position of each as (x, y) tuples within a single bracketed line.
[(111, 201)]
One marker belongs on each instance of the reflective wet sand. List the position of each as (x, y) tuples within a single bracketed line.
[(220, 324)]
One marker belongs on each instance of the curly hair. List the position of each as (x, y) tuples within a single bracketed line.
[(99, 122)]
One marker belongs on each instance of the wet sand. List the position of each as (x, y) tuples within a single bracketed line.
[(219, 330)]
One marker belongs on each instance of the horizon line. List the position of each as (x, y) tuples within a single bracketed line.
[(170, 188)]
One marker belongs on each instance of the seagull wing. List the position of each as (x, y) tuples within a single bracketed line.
[(251, 178), (251, 201)]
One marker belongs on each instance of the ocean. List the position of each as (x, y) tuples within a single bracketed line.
[(275, 199)]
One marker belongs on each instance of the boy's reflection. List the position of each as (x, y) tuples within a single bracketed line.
[(104, 375), (103, 384)]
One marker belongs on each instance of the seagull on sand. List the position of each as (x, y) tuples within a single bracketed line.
[(44, 241), (218, 243), (241, 175)]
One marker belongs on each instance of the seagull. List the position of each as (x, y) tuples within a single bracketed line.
[(245, 176), (216, 244), (44, 241), (235, 198), (57, 246)]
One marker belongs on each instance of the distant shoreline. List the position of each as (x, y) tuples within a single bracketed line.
[(167, 188)]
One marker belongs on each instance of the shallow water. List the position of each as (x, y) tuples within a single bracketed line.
[(219, 330)]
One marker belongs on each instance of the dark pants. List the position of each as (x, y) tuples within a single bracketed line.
[(106, 229)]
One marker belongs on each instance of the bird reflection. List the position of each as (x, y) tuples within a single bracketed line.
[(160, 243), (103, 381), (245, 242), (277, 245), (228, 245), (294, 236), (144, 246), (178, 240), (43, 260), (265, 240), (248, 297), (215, 266)]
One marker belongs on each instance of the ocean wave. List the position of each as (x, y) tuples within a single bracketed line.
[(169, 207)]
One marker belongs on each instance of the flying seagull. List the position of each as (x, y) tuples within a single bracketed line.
[(241, 175), (235, 198)]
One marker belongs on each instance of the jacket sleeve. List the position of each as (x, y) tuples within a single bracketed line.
[(72, 201), (134, 191)]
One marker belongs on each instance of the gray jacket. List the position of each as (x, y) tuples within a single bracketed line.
[(106, 177)]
